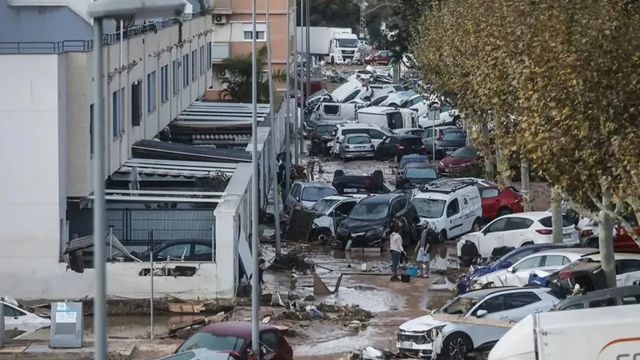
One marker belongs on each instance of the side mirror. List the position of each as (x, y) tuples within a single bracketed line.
[(481, 313), (511, 269)]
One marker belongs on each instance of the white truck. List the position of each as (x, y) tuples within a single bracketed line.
[(334, 45), (590, 334)]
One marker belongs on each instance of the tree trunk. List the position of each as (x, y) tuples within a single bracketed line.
[(503, 168), (608, 262), (556, 216), (526, 188), (488, 161)]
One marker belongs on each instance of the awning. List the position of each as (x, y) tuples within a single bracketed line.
[(151, 149)]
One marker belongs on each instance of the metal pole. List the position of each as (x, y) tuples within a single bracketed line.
[(274, 143), (307, 10), (296, 150), (255, 282), (1, 326), (99, 218), (287, 140), (151, 273), (110, 243), (433, 135)]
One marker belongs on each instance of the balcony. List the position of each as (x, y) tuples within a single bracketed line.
[(221, 51), (222, 7)]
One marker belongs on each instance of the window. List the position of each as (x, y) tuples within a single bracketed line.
[(209, 55), (91, 129), (151, 92), (573, 307), (491, 305), (453, 208), (10, 311), (517, 223), (185, 70), (497, 226), (136, 103), (116, 112), (312, 193), (603, 302), (376, 134), (164, 83), (176, 77), (547, 222), (200, 249), (194, 65), (396, 207), (520, 299), (379, 100), (345, 208), (358, 140), (175, 251), (627, 266), (489, 193), (203, 67), (295, 191), (351, 96), (530, 263), (270, 340), (213, 342), (555, 260), (260, 35)]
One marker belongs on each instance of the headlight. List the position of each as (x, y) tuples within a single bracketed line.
[(314, 225)]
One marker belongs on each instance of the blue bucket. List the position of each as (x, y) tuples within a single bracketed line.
[(412, 271)]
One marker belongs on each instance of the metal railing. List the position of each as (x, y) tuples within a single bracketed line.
[(45, 47)]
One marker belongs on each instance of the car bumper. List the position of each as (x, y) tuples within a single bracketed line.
[(418, 350), (571, 240), (357, 154)]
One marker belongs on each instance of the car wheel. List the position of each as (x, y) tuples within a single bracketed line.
[(477, 225), (592, 243), (456, 346), (504, 211)]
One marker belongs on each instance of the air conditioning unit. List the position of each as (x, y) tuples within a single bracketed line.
[(220, 19)]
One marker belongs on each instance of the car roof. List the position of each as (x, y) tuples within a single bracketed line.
[(567, 251), (481, 293), (357, 134), (337, 197), (406, 137), (631, 290), (358, 125), (314, 184), (618, 256), (233, 328), (533, 215), (380, 198)]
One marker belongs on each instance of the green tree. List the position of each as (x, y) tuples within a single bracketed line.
[(235, 73)]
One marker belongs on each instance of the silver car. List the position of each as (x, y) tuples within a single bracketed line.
[(356, 146), (304, 195)]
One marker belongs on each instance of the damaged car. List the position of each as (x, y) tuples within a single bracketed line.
[(328, 213), (431, 334), (17, 318)]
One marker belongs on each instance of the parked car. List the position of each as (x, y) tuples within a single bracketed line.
[(499, 201), (416, 175), (355, 146), (409, 131), (235, 337), (459, 161), (351, 90), (179, 250), (542, 264), (452, 207), (623, 241), (397, 146), (409, 159), (17, 318), (602, 333), (416, 103), (305, 194), (371, 217), (384, 89), (427, 335), (512, 231), (328, 213), (451, 141), (382, 57), (506, 261), (625, 295), (202, 354), (354, 185), (376, 133), (627, 267), (431, 135)]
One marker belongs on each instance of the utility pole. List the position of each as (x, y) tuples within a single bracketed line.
[(255, 279), (296, 143), (287, 133)]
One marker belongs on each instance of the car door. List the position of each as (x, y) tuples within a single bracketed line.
[(201, 252), (340, 213), (376, 136), (176, 252), (491, 236), (454, 218), (490, 202), (483, 334), (515, 231), (520, 272), (519, 305), (294, 195), (14, 318), (381, 149)]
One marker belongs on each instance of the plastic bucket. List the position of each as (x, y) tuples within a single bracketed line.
[(412, 271)]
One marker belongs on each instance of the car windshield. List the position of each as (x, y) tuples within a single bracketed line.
[(547, 222), (210, 341), (459, 306), (348, 43), (421, 173), (313, 193), (453, 136), (358, 140), (429, 208), (465, 152), (326, 130), (323, 205), (369, 211)]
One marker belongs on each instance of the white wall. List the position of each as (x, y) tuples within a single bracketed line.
[(32, 152)]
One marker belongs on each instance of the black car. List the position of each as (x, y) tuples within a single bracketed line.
[(417, 174), (397, 146), (370, 219), (180, 250), (322, 134), (451, 141), (359, 184)]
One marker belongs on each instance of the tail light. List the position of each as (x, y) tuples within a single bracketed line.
[(400, 147), (586, 233), (544, 231)]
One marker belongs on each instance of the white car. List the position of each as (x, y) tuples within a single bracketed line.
[(16, 318), (426, 335), (326, 210), (541, 264), (627, 268), (376, 133), (516, 230)]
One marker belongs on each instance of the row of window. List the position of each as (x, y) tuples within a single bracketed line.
[(190, 71)]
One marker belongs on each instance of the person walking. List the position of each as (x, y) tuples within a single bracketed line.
[(395, 246), (428, 241)]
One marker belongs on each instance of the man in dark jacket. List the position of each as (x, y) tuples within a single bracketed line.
[(428, 244)]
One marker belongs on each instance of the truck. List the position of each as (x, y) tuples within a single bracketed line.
[(334, 45), (596, 333)]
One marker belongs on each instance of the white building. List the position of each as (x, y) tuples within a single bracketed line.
[(151, 75)]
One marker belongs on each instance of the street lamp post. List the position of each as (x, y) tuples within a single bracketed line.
[(100, 10)]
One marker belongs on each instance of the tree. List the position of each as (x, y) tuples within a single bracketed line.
[(235, 74), (333, 13), (557, 84)]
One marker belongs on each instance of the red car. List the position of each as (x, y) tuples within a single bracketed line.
[(459, 161), (498, 202), (382, 57), (624, 242), (234, 337)]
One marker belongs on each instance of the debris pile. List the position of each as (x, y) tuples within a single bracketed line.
[(292, 260), (346, 313)]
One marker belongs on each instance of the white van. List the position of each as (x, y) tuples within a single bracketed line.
[(452, 207), (382, 116), (376, 134), (335, 112), (597, 333)]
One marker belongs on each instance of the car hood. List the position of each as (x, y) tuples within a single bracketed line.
[(494, 276), (356, 226), (452, 161), (423, 323)]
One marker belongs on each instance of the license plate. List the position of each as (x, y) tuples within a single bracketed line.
[(406, 345)]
